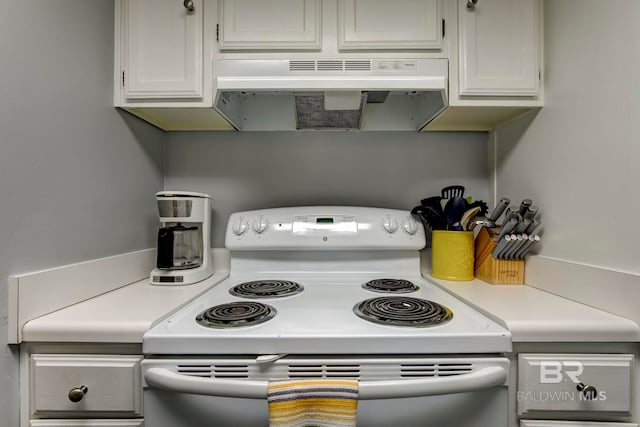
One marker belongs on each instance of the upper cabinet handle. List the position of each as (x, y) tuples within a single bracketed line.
[(188, 4), (471, 4)]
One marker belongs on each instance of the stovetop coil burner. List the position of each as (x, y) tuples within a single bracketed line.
[(403, 311), (235, 314), (396, 286), (266, 289)]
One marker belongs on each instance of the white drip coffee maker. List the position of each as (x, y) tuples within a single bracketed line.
[(184, 249)]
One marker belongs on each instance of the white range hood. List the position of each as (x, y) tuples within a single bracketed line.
[(365, 94)]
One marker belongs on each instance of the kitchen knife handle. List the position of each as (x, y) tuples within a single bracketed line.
[(524, 206), (500, 247), (523, 225), (534, 227), (499, 209), (531, 213), (528, 246), (507, 228)]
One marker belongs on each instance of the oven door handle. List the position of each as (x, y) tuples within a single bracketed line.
[(483, 379)]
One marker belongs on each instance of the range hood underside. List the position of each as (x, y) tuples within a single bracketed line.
[(276, 110)]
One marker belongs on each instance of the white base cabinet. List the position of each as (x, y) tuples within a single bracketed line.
[(582, 383), (81, 384), (543, 423), (85, 385), (86, 423)]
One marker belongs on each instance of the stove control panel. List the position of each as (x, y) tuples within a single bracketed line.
[(324, 228)]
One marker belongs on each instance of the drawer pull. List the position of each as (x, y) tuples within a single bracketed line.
[(76, 394), (588, 391)]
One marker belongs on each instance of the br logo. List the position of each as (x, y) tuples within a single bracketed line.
[(553, 372)]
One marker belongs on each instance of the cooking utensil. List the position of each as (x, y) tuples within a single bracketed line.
[(433, 202), (479, 221), (433, 219), (484, 208), (452, 191), (453, 212), (498, 209), (468, 215)]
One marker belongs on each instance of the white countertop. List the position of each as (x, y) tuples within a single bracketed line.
[(124, 314), (119, 316), (533, 315)]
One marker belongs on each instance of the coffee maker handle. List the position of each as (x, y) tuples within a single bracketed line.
[(164, 258)]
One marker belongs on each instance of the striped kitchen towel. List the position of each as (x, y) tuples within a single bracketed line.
[(313, 403)]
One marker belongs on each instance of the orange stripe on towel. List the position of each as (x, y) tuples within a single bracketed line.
[(324, 403)]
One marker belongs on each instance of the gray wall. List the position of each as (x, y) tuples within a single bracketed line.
[(254, 170), (77, 177), (578, 158)]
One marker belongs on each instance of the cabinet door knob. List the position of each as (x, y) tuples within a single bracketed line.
[(471, 4), (188, 4), (76, 394), (588, 391)]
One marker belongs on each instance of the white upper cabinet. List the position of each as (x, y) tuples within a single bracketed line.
[(389, 25), (499, 48), (270, 25), (162, 49)]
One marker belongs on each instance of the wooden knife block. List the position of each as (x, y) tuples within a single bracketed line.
[(495, 271)]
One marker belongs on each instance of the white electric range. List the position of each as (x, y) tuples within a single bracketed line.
[(326, 292)]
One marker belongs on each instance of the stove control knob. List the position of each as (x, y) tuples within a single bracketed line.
[(389, 225), (410, 226), (260, 225), (239, 227)]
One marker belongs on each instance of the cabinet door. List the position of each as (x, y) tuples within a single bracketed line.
[(163, 49), (499, 48), (270, 25), (86, 423), (383, 24), (101, 384)]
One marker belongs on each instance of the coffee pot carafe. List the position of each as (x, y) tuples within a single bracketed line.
[(179, 247), (183, 252)]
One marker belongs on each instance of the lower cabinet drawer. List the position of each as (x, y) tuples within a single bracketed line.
[(85, 385), (87, 423), (566, 383), (542, 423)]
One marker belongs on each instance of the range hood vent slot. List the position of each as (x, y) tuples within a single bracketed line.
[(330, 65), (302, 65), (354, 65)]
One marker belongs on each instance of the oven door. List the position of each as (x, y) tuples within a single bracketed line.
[(410, 392)]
